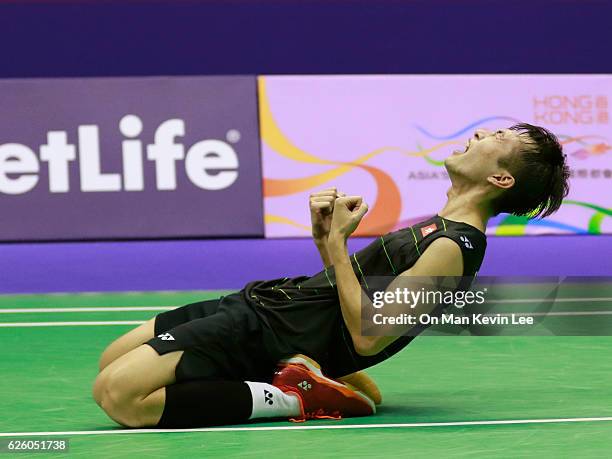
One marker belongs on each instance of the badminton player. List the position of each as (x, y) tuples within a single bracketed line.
[(215, 362)]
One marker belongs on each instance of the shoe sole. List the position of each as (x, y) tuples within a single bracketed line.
[(314, 367), (363, 383)]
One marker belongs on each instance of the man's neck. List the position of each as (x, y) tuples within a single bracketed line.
[(466, 206)]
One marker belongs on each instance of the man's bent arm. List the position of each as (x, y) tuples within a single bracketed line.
[(349, 290), (442, 258), (323, 248), (321, 207)]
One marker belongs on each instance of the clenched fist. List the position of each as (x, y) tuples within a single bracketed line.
[(347, 214), (321, 211)]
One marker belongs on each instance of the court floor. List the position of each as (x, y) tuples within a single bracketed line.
[(450, 396)]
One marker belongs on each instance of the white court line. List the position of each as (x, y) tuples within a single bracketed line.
[(310, 427), (554, 300), (89, 309), (138, 322), (167, 308), (112, 293), (554, 314), (70, 324)]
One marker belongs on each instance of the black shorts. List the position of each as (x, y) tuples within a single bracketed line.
[(221, 339)]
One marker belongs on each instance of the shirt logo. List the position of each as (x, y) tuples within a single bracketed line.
[(427, 230), (466, 242), (166, 337)]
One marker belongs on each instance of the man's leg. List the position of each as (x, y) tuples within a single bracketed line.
[(131, 389), (156, 400), (125, 343), (139, 388), (123, 404)]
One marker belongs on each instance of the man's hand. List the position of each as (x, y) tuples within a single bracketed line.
[(321, 211), (347, 214)]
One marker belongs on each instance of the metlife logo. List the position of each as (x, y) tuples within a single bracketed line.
[(209, 164), (129, 158)]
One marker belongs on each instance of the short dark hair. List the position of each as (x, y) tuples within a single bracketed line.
[(540, 173)]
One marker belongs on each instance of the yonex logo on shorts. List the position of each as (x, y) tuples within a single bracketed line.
[(166, 337), (268, 396)]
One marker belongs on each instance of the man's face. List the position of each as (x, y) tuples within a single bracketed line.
[(480, 158)]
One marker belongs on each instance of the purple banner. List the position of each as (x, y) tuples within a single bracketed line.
[(108, 158)]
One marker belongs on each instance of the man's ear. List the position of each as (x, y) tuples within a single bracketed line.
[(502, 180)]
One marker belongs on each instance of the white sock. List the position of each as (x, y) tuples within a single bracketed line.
[(271, 402)]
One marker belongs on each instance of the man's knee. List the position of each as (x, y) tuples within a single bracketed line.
[(98, 387), (117, 396)]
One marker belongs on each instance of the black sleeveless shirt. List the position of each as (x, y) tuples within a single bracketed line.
[(303, 315)]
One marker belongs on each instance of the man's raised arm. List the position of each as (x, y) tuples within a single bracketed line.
[(321, 206)]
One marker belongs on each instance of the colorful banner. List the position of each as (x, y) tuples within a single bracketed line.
[(129, 158), (386, 137)]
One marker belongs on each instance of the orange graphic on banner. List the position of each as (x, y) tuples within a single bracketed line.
[(378, 220)]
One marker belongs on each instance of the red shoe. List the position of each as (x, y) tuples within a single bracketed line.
[(320, 397)]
